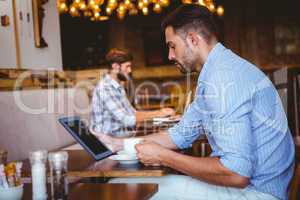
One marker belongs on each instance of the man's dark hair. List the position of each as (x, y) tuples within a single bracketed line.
[(118, 56), (191, 17)]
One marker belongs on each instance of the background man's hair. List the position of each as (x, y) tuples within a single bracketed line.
[(192, 17), (118, 56)]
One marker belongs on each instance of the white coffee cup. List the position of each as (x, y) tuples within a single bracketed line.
[(129, 145)]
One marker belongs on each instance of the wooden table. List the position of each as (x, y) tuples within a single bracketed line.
[(110, 168), (81, 164), (91, 191)]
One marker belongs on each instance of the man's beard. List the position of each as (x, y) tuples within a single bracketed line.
[(122, 77), (182, 69), (189, 62)]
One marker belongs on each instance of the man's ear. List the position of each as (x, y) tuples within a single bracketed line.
[(115, 66), (192, 39)]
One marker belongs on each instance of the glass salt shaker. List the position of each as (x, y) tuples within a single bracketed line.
[(38, 173)]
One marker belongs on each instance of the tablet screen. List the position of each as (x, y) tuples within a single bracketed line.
[(81, 133)]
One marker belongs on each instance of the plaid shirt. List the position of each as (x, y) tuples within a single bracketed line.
[(111, 111)]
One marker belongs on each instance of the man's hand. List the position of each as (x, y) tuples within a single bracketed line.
[(149, 153), (114, 144), (164, 112), (175, 117)]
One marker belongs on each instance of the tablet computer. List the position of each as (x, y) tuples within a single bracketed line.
[(80, 132)]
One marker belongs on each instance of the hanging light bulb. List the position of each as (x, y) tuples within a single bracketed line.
[(122, 7), (112, 1), (201, 2), (141, 5), (108, 10), (187, 1), (157, 8), (91, 2), (82, 6), (74, 12), (211, 7), (145, 10), (220, 10), (121, 15), (127, 3), (165, 3), (62, 7), (96, 8), (133, 11), (73, 9), (103, 18), (96, 15), (113, 4), (87, 14)]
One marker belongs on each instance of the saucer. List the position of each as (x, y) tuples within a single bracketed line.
[(125, 158)]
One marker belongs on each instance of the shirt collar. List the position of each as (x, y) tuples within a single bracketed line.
[(211, 58), (111, 81)]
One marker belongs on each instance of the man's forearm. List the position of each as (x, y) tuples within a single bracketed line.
[(144, 115), (207, 169), (161, 138)]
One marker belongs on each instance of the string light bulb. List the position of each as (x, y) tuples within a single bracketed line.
[(108, 10), (220, 10), (62, 8), (127, 3), (82, 6), (72, 9), (165, 3), (211, 7), (157, 8), (145, 10), (141, 5), (133, 11), (201, 2)]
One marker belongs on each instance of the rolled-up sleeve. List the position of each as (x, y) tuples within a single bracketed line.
[(235, 140)]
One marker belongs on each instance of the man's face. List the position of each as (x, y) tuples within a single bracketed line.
[(179, 52), (125, 70)]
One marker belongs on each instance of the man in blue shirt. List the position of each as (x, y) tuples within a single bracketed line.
[(236, 107)]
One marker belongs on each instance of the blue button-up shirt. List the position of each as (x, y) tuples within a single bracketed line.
[(239, 110)]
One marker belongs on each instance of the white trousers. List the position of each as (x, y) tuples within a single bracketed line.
[(179, 187)]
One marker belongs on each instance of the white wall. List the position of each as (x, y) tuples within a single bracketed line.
[(32, 57), (36, 58), (7, 37)]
